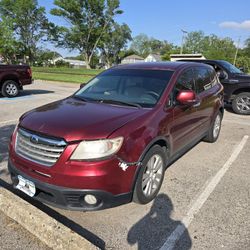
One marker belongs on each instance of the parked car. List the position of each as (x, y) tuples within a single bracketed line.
[(13, 78), (236, 84), (111, 141)]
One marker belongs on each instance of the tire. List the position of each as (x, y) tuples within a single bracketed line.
[(153, 172), (241, 103), (214, 131), (10, 89)]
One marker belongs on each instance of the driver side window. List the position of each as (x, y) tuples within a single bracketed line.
[(184, 82)]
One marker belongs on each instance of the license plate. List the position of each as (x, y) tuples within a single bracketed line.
[(26, 186)]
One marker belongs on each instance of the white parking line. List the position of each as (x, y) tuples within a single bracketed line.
[(9, 121), (197, 205)]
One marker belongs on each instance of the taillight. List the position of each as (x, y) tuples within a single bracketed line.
[(29, 71)]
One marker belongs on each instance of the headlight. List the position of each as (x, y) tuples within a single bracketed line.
[(87, 150)]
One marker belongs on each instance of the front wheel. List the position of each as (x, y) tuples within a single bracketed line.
[(214, 131), (241, 103), (150, 176), (10, 89)]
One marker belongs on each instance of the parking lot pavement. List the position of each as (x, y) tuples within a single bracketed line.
[(14, 237), (220, 221)]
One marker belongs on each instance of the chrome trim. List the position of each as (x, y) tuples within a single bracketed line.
[(41, 150)]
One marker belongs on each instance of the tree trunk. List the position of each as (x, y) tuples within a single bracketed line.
[(87, 60)]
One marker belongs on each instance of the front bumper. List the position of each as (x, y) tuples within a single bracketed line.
[(68, 198)]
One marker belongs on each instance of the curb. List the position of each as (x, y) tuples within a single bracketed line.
[(54, 234)]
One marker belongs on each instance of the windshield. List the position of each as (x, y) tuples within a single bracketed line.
[(231, 68), (129, 87)]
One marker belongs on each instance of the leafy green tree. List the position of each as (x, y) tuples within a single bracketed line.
[(44, 57), (212, 47), (144, 45), (8, 44), (246, 49), (29, 24), (88, 21), (141, 45), (115, 39)]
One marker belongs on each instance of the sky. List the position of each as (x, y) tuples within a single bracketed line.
[(164, 19)]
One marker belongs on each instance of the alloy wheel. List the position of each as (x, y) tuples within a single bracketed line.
[(11, 89), (152, 175), (217, 125), (243, 104)]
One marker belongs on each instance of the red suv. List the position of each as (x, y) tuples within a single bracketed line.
[(111, 141)]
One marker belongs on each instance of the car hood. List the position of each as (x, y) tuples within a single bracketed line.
[(74, 119)]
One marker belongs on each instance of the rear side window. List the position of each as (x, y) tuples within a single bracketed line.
[(205, 78)]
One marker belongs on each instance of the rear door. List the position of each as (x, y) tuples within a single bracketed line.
[(205, 79)]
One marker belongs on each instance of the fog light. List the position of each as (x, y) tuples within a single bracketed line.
[(90, 199)]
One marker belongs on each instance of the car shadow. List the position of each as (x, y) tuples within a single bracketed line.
[(35, 92), (152, 231), (30, 92)]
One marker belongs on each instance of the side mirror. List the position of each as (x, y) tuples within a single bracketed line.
[(82, 85), (222, 75), (243, 69), (186, 97)]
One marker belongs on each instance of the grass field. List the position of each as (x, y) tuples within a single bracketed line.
[(64, 74)]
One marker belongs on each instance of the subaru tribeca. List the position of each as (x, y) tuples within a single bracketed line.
[(110, 142)]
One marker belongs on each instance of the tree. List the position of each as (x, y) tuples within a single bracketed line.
[(194, 42), (29, 24), (45, 57), (115, 39), (8, 43), (212, 47), (88, 21), (141, 45)]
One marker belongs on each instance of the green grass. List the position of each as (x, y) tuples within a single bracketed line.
[(64, 74), (61, 77), (67, 71)]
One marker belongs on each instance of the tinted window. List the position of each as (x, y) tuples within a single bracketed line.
[(185, 81), (231, 68), (202, 79), (140, 86)]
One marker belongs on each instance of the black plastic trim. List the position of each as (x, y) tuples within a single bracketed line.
[(59, 196)]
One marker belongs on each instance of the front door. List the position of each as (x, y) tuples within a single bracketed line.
[(185, 122)]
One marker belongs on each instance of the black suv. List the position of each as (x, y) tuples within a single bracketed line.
[(236, 84)]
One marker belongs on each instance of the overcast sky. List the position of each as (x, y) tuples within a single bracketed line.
[(164, 19)]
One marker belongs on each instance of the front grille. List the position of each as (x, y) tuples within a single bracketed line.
[(39, 149)]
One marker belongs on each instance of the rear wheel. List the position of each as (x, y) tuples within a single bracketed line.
[(150, 176), (241, 103), (214, 131), (10, 88)]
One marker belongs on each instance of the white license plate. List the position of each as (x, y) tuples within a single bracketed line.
[(26, 186)]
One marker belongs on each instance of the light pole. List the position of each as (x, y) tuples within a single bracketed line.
[(236, 52), (182, 39)]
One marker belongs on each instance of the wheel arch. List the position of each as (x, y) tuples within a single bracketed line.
[(159, 140), (240, 90)]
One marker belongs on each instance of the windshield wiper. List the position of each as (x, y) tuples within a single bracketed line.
[(120, 102)]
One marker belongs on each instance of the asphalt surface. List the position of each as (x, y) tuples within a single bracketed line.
[(220, 221)]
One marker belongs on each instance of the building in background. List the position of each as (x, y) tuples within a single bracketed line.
[(176, 57), (132, 59), (153, 58), (72, 62)]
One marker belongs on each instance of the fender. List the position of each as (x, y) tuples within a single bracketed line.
[(153, 142)]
